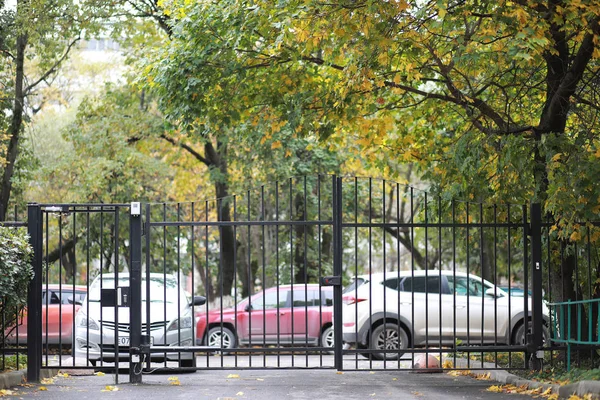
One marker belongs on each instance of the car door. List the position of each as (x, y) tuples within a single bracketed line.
[(423, 299), (269, 317), (305, 323), (476, 311)]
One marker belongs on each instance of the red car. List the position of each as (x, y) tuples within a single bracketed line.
[(59, 305), (293, 315)]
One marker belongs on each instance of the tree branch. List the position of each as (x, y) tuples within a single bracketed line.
[(53, 68)]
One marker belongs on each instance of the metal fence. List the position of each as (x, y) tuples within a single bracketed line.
[(310, 272)]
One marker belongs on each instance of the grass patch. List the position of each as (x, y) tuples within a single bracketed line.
[(9, 363)]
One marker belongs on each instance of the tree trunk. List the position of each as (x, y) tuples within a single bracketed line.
[(218, 160), (16, 125)]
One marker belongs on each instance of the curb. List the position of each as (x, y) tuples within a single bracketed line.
[(581, 388), (16, 378)]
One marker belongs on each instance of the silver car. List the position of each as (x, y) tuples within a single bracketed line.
[(170, 319), (403, 310)]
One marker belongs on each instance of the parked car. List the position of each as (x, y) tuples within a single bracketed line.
[(394, 312), (515, 291), (293, 314), (59, 305), (170, 319)]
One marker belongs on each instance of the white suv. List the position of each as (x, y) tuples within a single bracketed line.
[(396, 311)]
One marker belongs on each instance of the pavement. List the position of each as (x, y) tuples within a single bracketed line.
[(277, 384)]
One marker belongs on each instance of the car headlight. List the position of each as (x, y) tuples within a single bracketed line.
[(86, 322), (180, 323)]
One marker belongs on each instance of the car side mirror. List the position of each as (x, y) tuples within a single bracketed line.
[(248, 307), (73, 301), (491, 292), (198, 300)]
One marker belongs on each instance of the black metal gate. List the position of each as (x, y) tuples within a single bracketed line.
[(311, 272)]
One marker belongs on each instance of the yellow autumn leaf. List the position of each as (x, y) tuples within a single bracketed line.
[(173, 380), (109, 388), (557, 157), (47, 381), (99, 373), (276, 145), (64, 375), (448, 364), (484, 377), (6, 392), (43, 388), (495, 389), (233, 376), (239, 394), (575, 236)]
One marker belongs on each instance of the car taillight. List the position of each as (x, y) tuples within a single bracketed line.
[(348, 300)]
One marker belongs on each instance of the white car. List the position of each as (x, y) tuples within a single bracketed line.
[(171, 321), (399, 311)]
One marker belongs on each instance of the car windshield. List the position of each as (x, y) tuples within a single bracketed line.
[(357, 282), (161, 291)]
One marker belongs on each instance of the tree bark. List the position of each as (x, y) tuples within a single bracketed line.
[(16, 125)]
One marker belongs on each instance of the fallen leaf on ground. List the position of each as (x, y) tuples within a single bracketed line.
[(6, 392), (260, 379), (495, 389), (47, 381), (99, 374), (239, 394), (233, 376), (109, 388)]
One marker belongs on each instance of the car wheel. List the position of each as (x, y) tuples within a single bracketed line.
[(327, 339), (221, 337), (519, 337), (389, 337)]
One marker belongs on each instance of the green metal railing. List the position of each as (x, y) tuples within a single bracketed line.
[(562, 329)]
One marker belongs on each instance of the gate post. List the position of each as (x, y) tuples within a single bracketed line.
[(535, 345), (135, 293), (337, 271), (34, 295)]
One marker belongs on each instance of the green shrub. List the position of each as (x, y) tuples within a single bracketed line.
[(16, 272)]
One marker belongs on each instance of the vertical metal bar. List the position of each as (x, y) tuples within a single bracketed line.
[(73, 287), (34, 295), (291, 200), (440, 251), (536, 274), (370, 241), (454, 280), (264, 266), (116, 266), (355, 263), (147, 273), (481, 262), (509, 256), (135, 295), (277, 280), (60, 280), (250, 280), (305, 267), (337, 271)]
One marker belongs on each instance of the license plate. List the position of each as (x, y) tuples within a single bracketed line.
[(123, 340)]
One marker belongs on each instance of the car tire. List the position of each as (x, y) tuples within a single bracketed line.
[(389, 337), (327, 339), (221, 337), (519, 334)]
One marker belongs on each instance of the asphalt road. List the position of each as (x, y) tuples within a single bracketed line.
[(278, 384)]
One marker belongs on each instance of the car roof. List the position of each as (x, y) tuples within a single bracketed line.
[(380, 276), (63, 287)]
